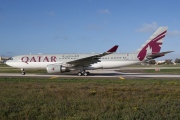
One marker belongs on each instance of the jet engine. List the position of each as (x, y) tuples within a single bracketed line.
[(57, 69)]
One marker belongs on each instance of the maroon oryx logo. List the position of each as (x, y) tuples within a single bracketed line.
[(154, 45)]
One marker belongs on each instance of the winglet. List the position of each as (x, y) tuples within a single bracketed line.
[(113, 49)]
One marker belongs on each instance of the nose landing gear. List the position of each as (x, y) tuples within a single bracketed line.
[(23, 71)]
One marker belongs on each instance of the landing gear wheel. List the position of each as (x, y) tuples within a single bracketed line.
[(79, 74), (85, 73), (23, 73)]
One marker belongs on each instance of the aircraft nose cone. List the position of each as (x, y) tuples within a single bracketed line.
[(7, 62)]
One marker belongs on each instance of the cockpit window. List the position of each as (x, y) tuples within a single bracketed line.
[(10, 58)]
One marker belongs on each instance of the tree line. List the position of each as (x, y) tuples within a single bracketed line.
[(167, 61)]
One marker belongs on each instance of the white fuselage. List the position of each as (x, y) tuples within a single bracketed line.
[(41, 61)]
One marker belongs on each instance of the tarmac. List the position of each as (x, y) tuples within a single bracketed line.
[(94, 74)]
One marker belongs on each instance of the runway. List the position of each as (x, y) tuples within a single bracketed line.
[(95, 74)]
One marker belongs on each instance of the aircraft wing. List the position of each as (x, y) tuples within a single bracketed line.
[(92, 59), (156, 55)]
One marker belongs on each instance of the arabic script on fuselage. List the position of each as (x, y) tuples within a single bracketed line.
[(70, 56)]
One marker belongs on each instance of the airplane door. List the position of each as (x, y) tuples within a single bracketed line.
[(131, 57)]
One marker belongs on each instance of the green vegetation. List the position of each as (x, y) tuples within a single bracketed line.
[(6, 69), (170, 71), (16, 70), (146, 65), (3, 65), (77, 99), (158, 71)]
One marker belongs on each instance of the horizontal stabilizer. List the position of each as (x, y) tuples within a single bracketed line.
[(156, 55)]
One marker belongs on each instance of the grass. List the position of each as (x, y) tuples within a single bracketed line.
[(165, 71), (77, 99), (6, 69), (167, 65), (16, 70)]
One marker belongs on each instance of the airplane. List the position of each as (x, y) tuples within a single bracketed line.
[(60, 63)]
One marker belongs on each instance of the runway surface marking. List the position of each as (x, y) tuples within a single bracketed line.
[(98, 75), (54, 77), (122, 78)]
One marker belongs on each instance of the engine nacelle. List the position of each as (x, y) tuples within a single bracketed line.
[(57, 69)]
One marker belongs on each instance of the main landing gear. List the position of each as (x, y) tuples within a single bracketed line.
[(83, 73), (23, 71)]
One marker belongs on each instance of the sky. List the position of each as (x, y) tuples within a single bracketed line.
[(86, 26)]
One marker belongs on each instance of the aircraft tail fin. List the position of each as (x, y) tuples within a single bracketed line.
[(153, 44)]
